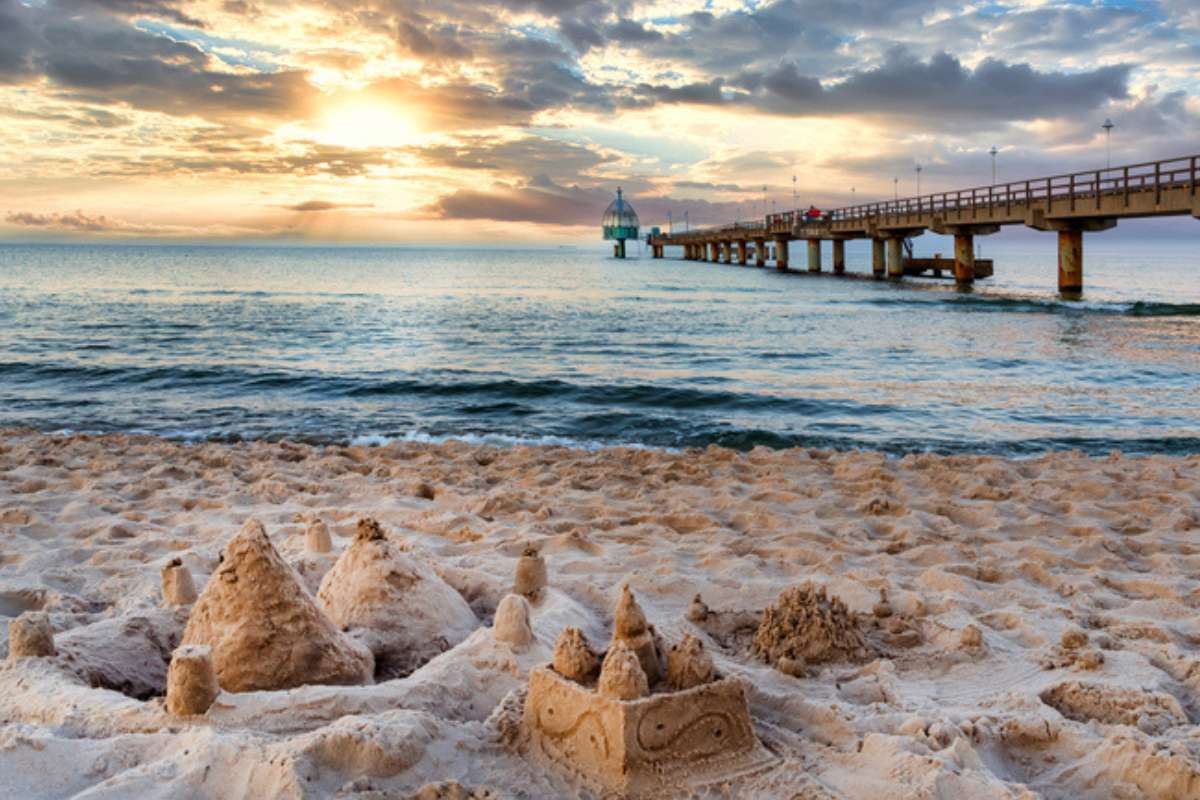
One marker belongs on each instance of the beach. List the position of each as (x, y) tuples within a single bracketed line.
[(1030, 625)]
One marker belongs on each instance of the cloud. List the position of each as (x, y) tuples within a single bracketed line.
[(315, 206), (544, 202)]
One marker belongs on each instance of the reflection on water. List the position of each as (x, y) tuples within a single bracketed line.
[(332, 344)]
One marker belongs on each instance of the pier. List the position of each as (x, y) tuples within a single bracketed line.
[(1068, 205)]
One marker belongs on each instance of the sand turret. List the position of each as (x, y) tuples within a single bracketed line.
[(31, 636), (531, 574), (393, 602), (316, 537), (512, 622), (698, 610), (689, 664), (574, 659), (178, 588), (191, 681), (265, 630), (621, 674), (630, 627)]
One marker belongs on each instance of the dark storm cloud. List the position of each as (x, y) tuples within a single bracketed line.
[(938, 90), (101, 59), (170, 10)]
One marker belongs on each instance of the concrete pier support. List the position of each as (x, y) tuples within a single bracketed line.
[(877, 260), (895, 258), (713, 251), (727, 252), (1070, 261), (742, 255), (839, 256), (760, 252), (964, 258), (781, 254), (814, 255), (619, 249)]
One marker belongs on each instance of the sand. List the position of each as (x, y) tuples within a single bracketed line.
[(1030, 628)]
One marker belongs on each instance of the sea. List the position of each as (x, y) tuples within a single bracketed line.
[(569, 346)]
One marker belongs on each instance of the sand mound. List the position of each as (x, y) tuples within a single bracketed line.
[(621, 675), (128, 655), (574, 658), (689, 664), (396, 604), (265, 630), (805, 625), (1151, 712)]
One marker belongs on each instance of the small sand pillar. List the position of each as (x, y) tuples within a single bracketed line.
[(31, 636), (964, 258), (512, 622), (689, 664), (178, 589), (191, 681), (839, 256), (1070, 262), (895, 258), (781, 254), (814, 255), (317, 539), (877, 258)]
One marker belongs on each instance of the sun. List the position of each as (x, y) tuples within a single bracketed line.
[(365, 123)]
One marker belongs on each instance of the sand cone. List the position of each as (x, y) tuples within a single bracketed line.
[(178, 588), (630, 627), (393, 602), (31, 636), (574, 659), (265, 630), (191, 681), (621, 675), (512, 622)]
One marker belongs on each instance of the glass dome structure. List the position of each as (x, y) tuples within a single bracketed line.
[(620, 221)]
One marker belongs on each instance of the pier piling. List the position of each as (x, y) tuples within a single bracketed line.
[(814, 255), (839, 256)]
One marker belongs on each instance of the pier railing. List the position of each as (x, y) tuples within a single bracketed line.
[(1108, 192)]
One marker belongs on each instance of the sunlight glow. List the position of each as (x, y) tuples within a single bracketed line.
[(366, 123)]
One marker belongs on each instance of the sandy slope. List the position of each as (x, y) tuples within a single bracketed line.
[(970, 691)]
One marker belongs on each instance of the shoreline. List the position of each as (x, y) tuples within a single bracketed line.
[(1041, 631)]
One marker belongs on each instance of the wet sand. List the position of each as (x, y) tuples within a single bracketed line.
[(1038, 635)]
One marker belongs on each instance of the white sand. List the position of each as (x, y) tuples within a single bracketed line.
[(969, 690)]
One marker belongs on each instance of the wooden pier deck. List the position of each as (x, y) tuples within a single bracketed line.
[(1068, 205)]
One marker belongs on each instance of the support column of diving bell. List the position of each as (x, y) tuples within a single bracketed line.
[(760, 252), (814, 255), (742, 256), (781, 255)]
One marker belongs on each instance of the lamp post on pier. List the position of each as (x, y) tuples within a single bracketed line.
[(993, 153), (918, 180), (1108, 126), (896, 188)]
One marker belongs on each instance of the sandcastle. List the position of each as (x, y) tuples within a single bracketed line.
[(531, 574), (633, 734), (191, 681), (805, 626), (317, 538), (265, 630)]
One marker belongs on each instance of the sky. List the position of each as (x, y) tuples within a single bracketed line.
[(475, 121)]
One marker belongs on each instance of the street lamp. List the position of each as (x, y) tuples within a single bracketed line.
[(896, 188), (993, 153), (1108, 126)]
